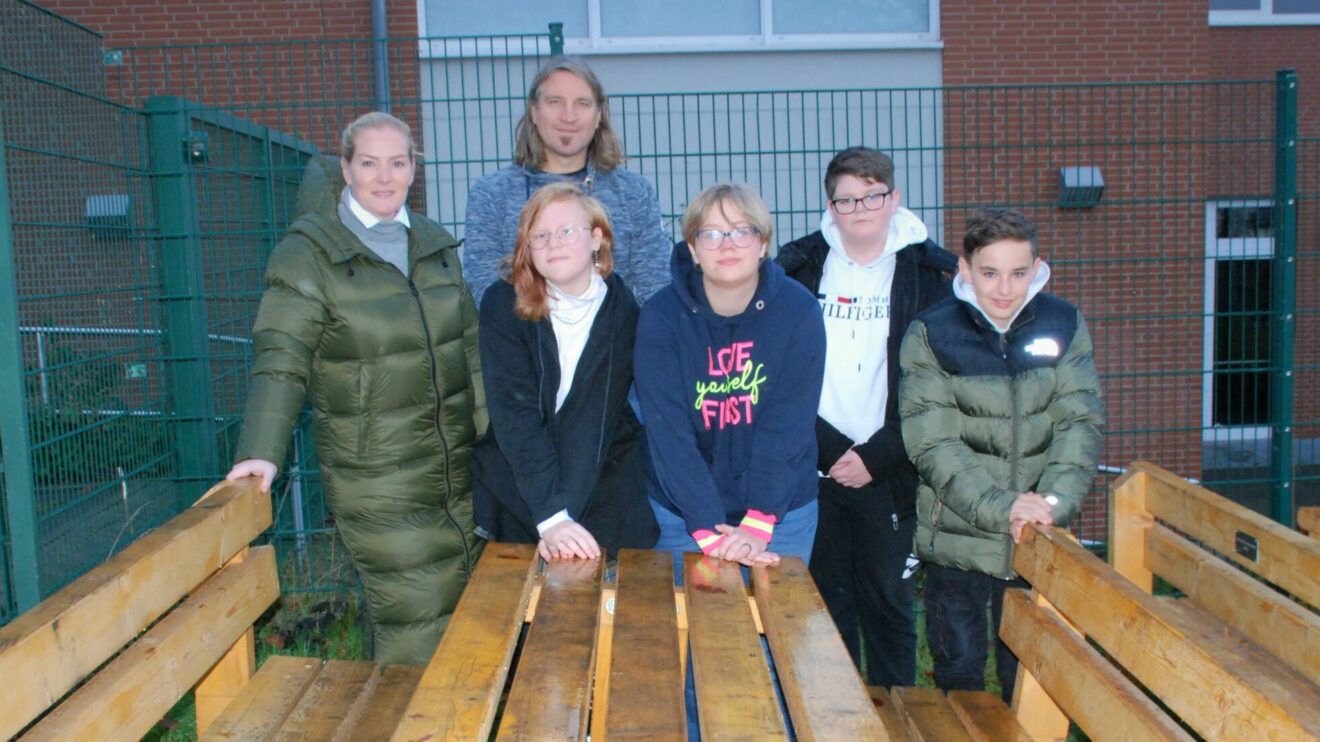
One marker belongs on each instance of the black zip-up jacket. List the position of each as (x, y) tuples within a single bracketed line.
[(587, 458), (921, 278)]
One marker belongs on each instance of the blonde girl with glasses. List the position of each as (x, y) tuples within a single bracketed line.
[(729, 364)]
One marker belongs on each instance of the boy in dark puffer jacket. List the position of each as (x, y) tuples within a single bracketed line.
[(1000, 402)]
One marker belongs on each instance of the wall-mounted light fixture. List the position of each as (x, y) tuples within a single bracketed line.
[(110, 216), (1080, 187)]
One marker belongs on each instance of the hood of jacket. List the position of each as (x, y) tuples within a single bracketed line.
[(688, 285), (905, 228), (964, 291)]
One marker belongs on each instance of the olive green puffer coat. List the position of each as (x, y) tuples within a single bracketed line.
[(988, 416), (390, 364)]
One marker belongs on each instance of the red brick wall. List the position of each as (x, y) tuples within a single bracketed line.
[(232, 56), (148, 22), (1137, 256)]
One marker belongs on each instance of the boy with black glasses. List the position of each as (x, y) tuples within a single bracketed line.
[(873, 268)]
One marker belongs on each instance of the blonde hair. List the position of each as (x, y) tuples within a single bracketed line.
[(375, 119), (740, 195), (529, 286), (605, 151)]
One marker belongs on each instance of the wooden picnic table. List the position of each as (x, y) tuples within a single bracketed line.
[(606, 657)]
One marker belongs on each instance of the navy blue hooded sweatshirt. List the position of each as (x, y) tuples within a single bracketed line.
[(730, 402)]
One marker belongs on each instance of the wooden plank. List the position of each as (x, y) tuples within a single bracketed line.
[(1282, 556), (129, 695), (223, 682), (1308, 520), (551, 693), (929, 716), (382, 709), (1132, 627), (986, 718), (57, 643), (600, 690), (458, 693), (1033, 707), (645, 679), (824, 694), (329, 707), (1128, 520), (889, 716), (736, 696), (1287, 630), (1257, 667), (265, 702), (1089, 689)]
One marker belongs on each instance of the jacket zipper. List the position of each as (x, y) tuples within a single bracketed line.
[(1013, 453), (439, 431)]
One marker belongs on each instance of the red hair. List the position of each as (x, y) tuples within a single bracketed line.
[(533, 297)]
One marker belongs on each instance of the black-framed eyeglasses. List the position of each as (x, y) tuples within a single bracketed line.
[(711, 239), (563, 236), (871, 201)]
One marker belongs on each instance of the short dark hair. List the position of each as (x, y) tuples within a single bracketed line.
[(860, 162), (988, 226)]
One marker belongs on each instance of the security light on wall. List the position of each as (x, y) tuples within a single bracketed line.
[(110, 216), (1080, 187)]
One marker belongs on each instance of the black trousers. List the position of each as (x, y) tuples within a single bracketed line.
[(956, 626), (857, 561)]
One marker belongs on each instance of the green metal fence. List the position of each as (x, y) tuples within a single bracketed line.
[(132, 244), (145, 195)]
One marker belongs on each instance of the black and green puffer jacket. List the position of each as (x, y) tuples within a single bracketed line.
[(988, 416), (391, 366)]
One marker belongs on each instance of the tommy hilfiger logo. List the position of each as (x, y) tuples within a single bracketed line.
[(1043, 347)]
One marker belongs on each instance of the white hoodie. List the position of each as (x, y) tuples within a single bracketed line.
[(854, 300), (964, 291)]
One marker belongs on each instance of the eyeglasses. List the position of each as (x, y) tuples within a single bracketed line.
[(711, 239), (871, 201), (563, 236)]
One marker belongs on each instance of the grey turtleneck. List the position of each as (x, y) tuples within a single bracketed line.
[(388, 239)]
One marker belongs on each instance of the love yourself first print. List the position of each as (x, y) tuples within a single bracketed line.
[(733, 390)]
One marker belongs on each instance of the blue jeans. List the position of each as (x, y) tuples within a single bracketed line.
[(793, 537), (957, 628)]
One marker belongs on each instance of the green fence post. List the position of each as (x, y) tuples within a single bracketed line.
[(20, 491), (1283, 301), (556, 39), (188, 363)]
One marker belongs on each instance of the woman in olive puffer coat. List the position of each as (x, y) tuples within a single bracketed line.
[(367, 315)]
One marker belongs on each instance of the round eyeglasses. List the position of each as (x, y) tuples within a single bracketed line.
[(870, 201), (711, 239), (562, 236)]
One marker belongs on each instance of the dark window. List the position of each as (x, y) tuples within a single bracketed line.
[(1244, 221), (1242, 342)]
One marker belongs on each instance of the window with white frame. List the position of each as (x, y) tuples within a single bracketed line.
[(1238, 313), (1264, 12), (694, 25)]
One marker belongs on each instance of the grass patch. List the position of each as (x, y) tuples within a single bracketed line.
[(329, 626)]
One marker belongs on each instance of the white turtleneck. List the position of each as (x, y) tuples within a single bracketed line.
[(571, 317)]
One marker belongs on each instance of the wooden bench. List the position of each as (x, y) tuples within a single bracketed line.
[(107, 656), (1308, 521), (1237, 658), (606, 657)]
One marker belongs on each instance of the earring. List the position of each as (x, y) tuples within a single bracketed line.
[(595, 258)]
